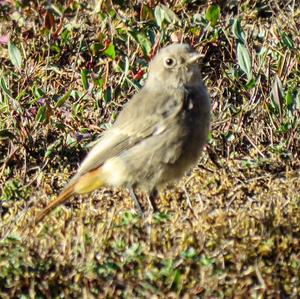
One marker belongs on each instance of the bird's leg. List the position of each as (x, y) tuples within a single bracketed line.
[(135, 200), (151, 200)]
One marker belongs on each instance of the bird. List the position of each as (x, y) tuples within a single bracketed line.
[(156, 138)]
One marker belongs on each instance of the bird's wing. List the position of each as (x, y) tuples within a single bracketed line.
[(136, 122)]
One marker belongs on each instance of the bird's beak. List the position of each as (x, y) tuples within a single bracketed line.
[(194, 57)]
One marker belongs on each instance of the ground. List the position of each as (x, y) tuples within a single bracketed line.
[(67, 68)]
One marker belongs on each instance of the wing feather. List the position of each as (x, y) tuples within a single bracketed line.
[(133, 125)]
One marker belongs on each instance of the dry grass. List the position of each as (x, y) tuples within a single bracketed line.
[(242, 236)]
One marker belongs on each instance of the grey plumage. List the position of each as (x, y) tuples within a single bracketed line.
[(157, 136)]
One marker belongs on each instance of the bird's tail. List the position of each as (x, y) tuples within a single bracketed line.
[(83, 184), (63, 197)]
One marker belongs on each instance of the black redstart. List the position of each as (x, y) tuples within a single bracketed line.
[(157, 136)]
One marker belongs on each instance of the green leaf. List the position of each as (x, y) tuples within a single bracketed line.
[(14, 237), (143, 41), (110, 51), (146, 13), (99, 82), (289, 101), (62, 99), (129, 218), (189, 253), (4, 87), (159, 15), (15, 55), (213, 14), (41, 115), (84, 79), (250, 84), (50, 149), (161, 217), (38, 92), (95, 47), (207, 261), (107, 95), (163, 13), (286, 40), (170, 16), (176, 279), (238, 31), (278, 94), (71, 141), (244, 60)]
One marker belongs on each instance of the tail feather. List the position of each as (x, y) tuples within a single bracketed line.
[(79, 185), (63, 197)]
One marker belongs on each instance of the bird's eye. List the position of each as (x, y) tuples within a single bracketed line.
[(170, 62)]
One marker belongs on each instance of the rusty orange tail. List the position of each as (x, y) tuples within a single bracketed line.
[(78, 185), (63, 197)]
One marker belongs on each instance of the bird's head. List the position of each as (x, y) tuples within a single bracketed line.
[(175, 65)]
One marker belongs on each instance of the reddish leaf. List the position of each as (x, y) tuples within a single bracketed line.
[(49, 21), (138, 75)]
